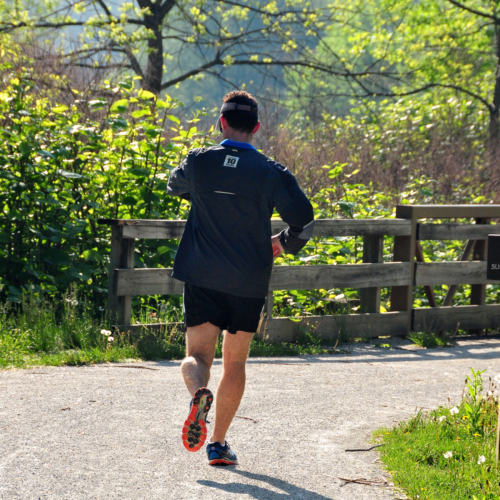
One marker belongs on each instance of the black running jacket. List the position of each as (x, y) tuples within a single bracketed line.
[(226, 245)]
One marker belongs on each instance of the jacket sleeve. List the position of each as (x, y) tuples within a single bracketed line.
[(178, 182), (295, 209)]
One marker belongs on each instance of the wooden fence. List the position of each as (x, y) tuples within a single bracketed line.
[(407, 270)]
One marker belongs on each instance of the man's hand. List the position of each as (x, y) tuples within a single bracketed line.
[(277, 247)]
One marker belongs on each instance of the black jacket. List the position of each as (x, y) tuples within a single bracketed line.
[(226, 245)]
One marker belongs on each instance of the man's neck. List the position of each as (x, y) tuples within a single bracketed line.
[(234, 135)]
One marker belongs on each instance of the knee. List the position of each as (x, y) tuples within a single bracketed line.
[(234, 367)]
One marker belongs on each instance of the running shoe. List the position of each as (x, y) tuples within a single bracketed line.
[(220, 455), (194, 432)]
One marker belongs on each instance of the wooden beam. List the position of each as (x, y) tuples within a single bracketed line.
[(353, 227), (122, 256), (429, 291), (373, 247), (478, 291), (343, 326), (166, 229), (453, 211), (447, 318), (451, 273), (159, 281), (341, 276), (147, 282), (134, 331), (404, 251), (453, 231), (153, 232)]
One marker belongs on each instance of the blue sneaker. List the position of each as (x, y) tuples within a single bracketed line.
[(194, 432), (220, 455)]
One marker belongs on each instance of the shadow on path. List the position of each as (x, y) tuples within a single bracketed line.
[(261, 493)]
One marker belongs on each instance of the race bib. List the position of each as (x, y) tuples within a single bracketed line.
[(231, 161)]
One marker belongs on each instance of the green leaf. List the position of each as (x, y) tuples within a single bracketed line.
[(140, 113), (69, 175), (120, 106), (335, 172), (46, 154), (57, 257), (97, 104), (174, 119), (60, 109), (347, 207), (145, 94), (138, 172), (130, 200), (426, 192)]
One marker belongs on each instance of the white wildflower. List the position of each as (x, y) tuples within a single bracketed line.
[(110, 339), (496, 378), (489, 393), (105, 332), (454, 410), (481, 460), (448, 454), (442, 418)]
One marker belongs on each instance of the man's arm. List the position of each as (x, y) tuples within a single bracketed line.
[(295, 209), (178, 183)]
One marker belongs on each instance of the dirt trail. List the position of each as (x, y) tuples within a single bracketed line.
[(104, 432)]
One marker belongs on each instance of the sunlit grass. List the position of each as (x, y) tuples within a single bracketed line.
[(448, 454)]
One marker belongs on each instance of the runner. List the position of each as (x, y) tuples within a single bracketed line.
[(225, 259)]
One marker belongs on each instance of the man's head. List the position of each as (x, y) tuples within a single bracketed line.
[(240, 112)]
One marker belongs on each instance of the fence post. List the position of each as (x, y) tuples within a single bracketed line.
[(373, 247), (122, 257), (268, 306), (404, 251), (478, 292)]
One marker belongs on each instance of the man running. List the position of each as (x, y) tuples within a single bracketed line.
[(225, 259)]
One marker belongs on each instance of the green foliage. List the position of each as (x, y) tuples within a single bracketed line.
[(64, 166), (449, 453)]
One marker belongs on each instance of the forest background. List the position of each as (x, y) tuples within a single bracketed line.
[(369, 103)]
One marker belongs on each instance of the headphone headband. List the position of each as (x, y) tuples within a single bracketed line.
[(234, 106)]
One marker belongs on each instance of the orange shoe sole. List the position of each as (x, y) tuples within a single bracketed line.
[(194, 432)]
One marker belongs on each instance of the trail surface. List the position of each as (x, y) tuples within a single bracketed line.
[(108, 432)]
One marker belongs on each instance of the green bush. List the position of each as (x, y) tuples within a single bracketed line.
[(64, 166)]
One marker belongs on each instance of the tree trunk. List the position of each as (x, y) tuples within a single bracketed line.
[(494, 125), (154, 72)]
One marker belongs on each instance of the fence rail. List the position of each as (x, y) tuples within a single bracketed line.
[(402, 275)]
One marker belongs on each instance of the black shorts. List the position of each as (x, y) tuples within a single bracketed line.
[(224, 310)]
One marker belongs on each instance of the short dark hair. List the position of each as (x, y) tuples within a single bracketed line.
[(243, 121)]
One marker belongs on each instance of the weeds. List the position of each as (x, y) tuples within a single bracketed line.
[(38, 331), (430, 340), (448, 454)]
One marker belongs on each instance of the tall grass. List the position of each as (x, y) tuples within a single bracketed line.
[(42, 331)]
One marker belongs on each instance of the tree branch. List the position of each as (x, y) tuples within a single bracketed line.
[(216, 61), (473, 11)]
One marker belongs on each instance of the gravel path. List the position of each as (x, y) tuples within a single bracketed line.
[(113, 432)]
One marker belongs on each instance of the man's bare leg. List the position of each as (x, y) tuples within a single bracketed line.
[(200, 351), (232, 383)]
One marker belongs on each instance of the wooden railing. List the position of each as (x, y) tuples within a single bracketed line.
[(401, 275)]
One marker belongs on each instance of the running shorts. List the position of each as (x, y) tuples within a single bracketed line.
[(224, 310)]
